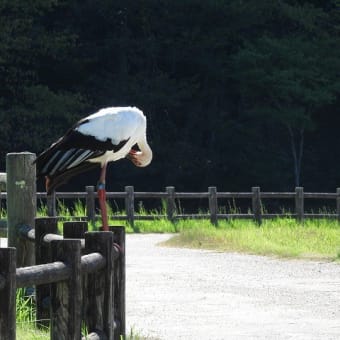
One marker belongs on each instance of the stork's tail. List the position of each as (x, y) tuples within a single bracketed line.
[(52, 182)]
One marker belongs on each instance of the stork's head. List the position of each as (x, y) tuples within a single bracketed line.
[(140, 158)]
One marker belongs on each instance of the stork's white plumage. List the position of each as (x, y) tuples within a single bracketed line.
[(107, 135)]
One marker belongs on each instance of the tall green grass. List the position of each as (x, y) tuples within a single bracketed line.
[(26, 318), (284, 237), (78, 209)]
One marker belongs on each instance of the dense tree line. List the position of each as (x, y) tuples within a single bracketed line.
[(237, 93)]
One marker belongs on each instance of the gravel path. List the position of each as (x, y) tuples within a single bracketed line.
[(192, 294)]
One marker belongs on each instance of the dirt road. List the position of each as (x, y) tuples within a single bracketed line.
[(193, 295)]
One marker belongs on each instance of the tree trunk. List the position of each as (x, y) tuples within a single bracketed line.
[(297, 143)]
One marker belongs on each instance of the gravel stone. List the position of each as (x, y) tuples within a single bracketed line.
[(175, 293)]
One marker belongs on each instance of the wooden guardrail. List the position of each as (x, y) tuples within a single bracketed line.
[(21, 197), (170, 197), (80, 280)]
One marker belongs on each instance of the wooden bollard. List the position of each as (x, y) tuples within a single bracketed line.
[(74, 229), (299, 204), (66, 296), (100, 298), (119, 282), (51, 203), (3, 181), (130, 205), (170, 203), (256, 205), (8, 293), (77, 230), (43, 226), (90, 205), (213, 207), (21, 203)]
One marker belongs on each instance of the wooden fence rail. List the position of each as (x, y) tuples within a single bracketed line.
[(170, 198), (77, 279)]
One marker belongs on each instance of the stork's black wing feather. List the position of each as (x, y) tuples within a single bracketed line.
[(62, 178), (72, 150), (70, 156)]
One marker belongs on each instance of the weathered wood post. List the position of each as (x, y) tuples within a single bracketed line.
[(256, 204), (338, 203), (66, 296), (100, 298), (90, 204), (51, 203), (74, 229), (299, 206), (119, 282), (21, 203), (3, 222), (77, 230), (213, 204), (130, 205), (7, 293), (170, 203), (43, 226), (3, 181)]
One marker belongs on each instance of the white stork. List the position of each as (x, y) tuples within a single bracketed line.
[(107, 135)]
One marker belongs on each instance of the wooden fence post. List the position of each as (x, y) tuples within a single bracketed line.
[(100, 298), (74, 229), (51, 204), (8, 293), (3, 222), (43, 226), (256, 204), (213, 204), (299, 204), (119, 282), (21, 203), (130, 205), (77, 230), (3, 181), (90, 204), (170, 203), (66, 296)]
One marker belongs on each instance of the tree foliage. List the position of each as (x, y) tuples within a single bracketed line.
[(237, 93)]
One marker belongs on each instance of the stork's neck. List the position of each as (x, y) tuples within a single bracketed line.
[(145, 157)]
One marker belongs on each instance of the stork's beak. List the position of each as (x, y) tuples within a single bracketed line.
[(133, 157)]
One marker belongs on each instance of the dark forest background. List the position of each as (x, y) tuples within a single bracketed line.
[(237, 93)]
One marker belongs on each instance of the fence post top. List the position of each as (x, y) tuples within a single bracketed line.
[(24, 153)]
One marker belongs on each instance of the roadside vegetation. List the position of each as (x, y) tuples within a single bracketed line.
[(282, 237), (317, 239), (26, 319)]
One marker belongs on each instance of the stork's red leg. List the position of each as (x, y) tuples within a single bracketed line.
[(102, 198)]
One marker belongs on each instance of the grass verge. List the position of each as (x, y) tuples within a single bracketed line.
[(26, 321), (283, 237)]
